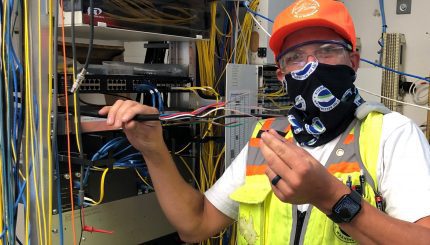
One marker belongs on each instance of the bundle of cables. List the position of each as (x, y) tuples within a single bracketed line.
[(202, 114), (150, 12), (419, 91), (156, 98), (124, 156)]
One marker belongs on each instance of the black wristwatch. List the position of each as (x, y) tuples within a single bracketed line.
[(346, 208)]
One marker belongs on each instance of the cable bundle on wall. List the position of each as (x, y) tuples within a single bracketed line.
[(146, 12), (243, 41), (26, 162), (227, 48), (206, 52), (11, 126)]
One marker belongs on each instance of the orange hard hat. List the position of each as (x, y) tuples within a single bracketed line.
[(312, 13)]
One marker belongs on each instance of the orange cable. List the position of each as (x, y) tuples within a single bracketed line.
[(67, 122)]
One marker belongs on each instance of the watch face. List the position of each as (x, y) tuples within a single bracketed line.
[(347, 208)]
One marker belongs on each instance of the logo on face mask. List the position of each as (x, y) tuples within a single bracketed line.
[(324, 99), (310, 142), (305, 8), (358, 100), (297, 127), (346, 95), (316, 128), (300, 103), (305, 72)]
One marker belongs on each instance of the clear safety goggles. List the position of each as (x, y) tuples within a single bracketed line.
[(325, 51)]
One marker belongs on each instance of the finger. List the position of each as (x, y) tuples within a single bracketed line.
[(113, 111), (281, 196), (104, 110), (137, 109), (126, 126), (275, 162), (281, 185), (273, 147), (123, 109), (274, 178), (287, 151), (277, 136)]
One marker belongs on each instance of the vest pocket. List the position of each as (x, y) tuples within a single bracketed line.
[(251, 197)]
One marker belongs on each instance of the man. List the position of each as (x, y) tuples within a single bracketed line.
[(300, 179)]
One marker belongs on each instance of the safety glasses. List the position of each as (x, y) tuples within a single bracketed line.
[(325, 51)]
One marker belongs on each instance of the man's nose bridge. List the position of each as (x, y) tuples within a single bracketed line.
[(311, 58)]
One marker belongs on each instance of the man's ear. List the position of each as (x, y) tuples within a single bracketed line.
[(354, 57), (280, 75)]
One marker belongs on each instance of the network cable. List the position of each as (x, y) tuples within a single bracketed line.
[(246, 4), (81, 76)]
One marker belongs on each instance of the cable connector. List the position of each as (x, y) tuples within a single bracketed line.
[(92, 229), (79, 78)]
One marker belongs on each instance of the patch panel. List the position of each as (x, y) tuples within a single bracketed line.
[(122, 83)]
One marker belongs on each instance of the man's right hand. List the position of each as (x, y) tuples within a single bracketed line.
[(187, 209), (145, 136)]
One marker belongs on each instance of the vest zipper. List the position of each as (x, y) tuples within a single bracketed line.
[(300, 220)]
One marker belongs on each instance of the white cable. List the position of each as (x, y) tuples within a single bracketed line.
[(237, 112), (420, 93), (258, 23), (398, 101), (257, 107)]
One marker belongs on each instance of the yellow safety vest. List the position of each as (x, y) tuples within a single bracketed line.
[(264, 219)]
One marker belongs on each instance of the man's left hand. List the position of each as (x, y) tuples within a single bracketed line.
[(303, 178)]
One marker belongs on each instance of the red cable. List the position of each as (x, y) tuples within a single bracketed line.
[(67, 122)]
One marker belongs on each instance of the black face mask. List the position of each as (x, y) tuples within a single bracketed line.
[(325, 100)]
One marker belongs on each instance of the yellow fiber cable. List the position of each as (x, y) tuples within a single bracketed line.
[(143, 180), (97, 168), (278, 105), (102, 187), (1, 161), (75, 115), (31, 130), (48, 119), (33, 157), (241, 48), (5, 7), (225, 68), (206, 51), (27, 126), (142, 11), (216, 165), (230, 21), (40, 99), (190, 171), (183, 149), (245, 37), (231, 24), (13, 151), (21, 175), (6, 84), (207, 89)]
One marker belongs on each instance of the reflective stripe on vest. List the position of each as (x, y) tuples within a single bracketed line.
[(264, 219)]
